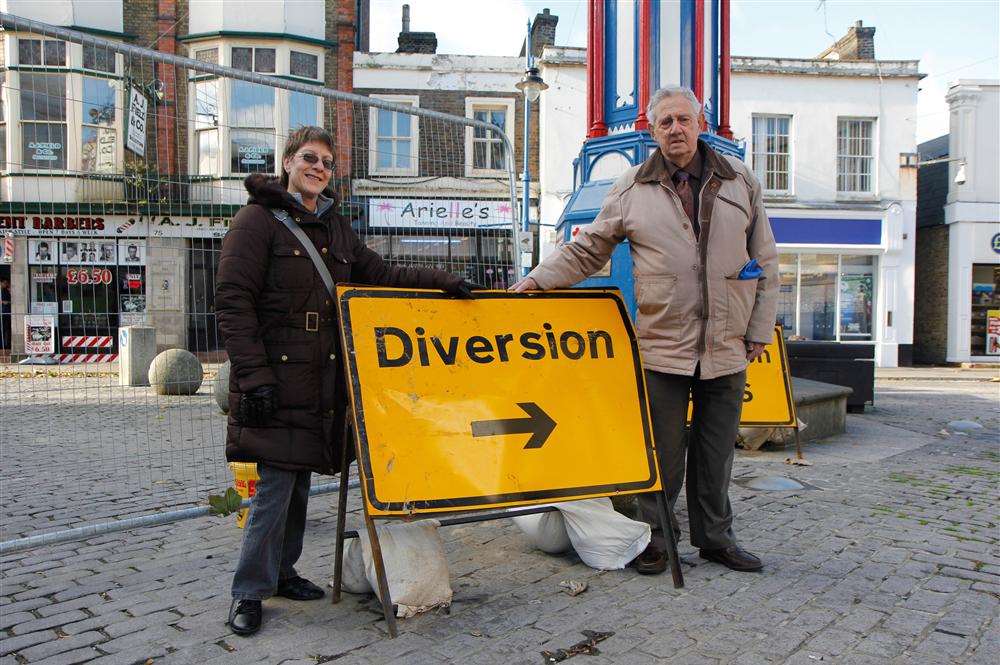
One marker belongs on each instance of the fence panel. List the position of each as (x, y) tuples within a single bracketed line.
[(121, 168)]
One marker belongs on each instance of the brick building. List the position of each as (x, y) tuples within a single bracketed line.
[(139, 215)]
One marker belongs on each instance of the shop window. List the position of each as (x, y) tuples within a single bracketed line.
[(43, 120), (98, 59), (252, 135), (818, 293), (98, 136), (303, 110), (484, 148), (857, 281), (788, 291), (393, 139), (985, 299), (772, 152), (305, 65), (855, 155), (48, 52), (206, 127), (260, 60)]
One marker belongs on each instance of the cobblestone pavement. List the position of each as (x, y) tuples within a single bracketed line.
[(888, 556)]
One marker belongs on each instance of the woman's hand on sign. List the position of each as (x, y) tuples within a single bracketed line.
[(526, 284)]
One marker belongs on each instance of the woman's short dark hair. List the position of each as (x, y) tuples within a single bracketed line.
[(299, 138)]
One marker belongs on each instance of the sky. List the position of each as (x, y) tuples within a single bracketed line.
[(952, 39)]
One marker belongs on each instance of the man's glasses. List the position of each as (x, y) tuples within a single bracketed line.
[(311, 158)]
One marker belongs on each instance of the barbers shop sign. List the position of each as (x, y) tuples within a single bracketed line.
[(439, 214), (156, 226)]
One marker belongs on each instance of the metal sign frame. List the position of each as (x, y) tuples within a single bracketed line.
[(356, 422)]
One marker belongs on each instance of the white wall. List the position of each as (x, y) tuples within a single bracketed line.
[(306, 18), (563, 119), (430, 71), (97, 14)]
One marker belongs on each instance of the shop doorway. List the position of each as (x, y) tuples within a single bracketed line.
[(203, 335), (5, 312)]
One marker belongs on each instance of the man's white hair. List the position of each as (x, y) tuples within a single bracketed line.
[(670, 91)]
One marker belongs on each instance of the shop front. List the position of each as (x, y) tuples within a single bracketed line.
[(974, 292)]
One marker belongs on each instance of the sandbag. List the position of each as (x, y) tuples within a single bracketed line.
[(603, 539), (546, 531), (415, 566), (353, 579)]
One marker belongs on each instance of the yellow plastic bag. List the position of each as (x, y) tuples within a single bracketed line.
[(245, 480)]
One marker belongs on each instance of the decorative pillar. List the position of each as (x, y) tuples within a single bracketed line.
[(698, 75), (645, 56), (590, 68), (725, 72), (597, 128)]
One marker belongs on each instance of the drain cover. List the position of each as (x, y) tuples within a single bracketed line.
[(772, 484)]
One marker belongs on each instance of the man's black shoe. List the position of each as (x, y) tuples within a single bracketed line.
[(298, 588), (245, 617), (733, 558), (652, 561)]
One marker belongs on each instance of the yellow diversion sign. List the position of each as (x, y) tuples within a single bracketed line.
[(498, 401)]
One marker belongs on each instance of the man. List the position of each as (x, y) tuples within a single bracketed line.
[(42, 252), (694, 221), (133, 254)]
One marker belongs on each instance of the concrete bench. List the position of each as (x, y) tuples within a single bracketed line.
[(821, 406)]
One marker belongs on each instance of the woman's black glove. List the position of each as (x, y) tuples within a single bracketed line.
[(256, 406), (465, 288)]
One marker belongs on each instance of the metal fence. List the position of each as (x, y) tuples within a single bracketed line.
[(121, 168)]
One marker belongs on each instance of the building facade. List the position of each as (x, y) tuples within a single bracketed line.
[(114, 223), (958, 232)]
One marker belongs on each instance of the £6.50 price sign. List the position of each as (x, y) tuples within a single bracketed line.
[(497, 401)]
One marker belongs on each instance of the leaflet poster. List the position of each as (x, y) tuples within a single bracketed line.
[(39, 334)]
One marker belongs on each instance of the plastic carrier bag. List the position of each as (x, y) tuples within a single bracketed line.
[(603, 538)]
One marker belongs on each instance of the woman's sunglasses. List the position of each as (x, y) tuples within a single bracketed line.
[(311, 158)]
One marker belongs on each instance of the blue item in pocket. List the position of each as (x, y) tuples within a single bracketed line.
[(751, 270)]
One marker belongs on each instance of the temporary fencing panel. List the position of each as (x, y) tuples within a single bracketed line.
[(120, 169)]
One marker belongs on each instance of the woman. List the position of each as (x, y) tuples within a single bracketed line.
[(287, 398)]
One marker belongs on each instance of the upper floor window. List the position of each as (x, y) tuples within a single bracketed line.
[(206, 127), (98, 59), (209, 55), (855, 155), (772, 152), (3, 120), (260, 60), (394, 138), (99, 139), (41, 52), (302, 64), (484, 148), (251, 133), (43, 120), (303, 110)]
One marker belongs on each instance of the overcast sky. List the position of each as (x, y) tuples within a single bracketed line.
[(952, 38)]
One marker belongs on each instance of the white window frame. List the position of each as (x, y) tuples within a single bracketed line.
[(74, 74), (872, 192), (760, 151), (471, 105), (414, 169)]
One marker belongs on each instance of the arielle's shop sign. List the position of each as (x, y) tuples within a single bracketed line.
[(439, 214), (155, 226)]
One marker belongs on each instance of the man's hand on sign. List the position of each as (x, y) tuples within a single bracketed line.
[(526, 284), (754, 349), (465, 288)]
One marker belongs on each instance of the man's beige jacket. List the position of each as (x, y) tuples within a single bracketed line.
[(691, 308)]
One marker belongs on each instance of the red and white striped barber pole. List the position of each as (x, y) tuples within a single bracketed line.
[(86, 342), (7, 255)]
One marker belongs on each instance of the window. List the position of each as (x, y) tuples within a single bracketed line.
[(772, 152), (484, 148), (98, 59), (206, 127), (394, 139), (3, 120), (98, 136), (303, 110), (305, 65), (827, 296), (43, 120), (50, 53), (251, 139), (210, 55), (260, 60), (855, 155)]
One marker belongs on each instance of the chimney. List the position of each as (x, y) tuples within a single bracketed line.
[(415, 42), (857, 44), (543, 32)]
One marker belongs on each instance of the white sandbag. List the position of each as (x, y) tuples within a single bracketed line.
[(415, 566), (546, 531), (603, 538), (353, 571)]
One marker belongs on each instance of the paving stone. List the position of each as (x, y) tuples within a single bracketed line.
[(53, 621), (54, 647)]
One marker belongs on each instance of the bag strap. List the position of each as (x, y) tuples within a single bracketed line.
[(324, 273)]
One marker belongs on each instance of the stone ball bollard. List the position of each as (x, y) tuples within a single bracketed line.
[(221, 388), (175, 372)]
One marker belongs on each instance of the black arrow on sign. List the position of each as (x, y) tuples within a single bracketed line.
[(538, 424)]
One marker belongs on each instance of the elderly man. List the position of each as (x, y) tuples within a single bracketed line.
[(706, 281)]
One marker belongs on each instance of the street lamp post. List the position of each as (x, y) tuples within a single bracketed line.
[(531, 85)]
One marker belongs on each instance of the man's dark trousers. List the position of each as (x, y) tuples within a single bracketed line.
[(710, 451)]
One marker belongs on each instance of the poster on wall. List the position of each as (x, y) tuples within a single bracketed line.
[(993, 332), (42, 252), (39, 334), (131, 252), (87, 252)]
